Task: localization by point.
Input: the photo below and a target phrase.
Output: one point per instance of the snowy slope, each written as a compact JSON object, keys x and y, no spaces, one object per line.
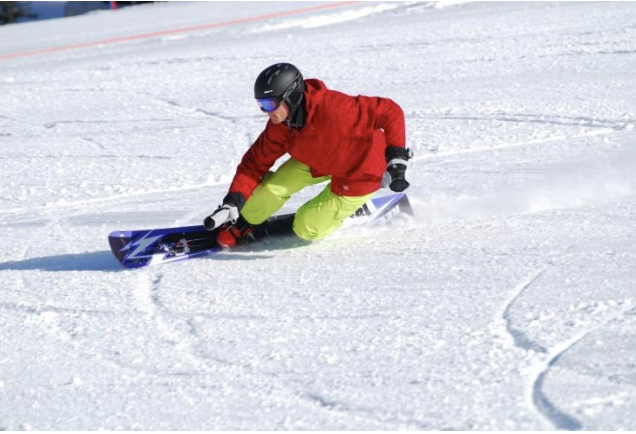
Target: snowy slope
{"x":507,"y":303}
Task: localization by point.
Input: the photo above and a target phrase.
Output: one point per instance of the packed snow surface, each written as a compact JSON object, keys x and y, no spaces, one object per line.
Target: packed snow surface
{"x":508,"y":302}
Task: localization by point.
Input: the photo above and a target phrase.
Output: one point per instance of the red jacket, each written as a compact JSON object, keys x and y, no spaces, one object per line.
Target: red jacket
{"x":344,"y":136}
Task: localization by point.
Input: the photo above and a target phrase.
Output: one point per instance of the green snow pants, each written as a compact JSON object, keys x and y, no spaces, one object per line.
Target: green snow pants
{"x":315,"y":219}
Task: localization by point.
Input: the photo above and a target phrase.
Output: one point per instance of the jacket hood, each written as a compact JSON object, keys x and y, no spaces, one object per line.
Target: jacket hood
{"x":314,"y":91}
{"x":314,"y":86}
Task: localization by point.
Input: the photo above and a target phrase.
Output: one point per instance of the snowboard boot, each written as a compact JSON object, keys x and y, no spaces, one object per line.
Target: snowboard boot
{"x":240,"y":232}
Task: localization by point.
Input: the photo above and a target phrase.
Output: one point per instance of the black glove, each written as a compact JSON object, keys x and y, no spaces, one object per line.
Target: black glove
{"x":228,"y":212}
{"x":396,"y":159}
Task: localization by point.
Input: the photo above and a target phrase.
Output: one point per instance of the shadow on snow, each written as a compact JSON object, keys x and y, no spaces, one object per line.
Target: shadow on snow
{"x":94,"y":261}
{"x":104,"y":260}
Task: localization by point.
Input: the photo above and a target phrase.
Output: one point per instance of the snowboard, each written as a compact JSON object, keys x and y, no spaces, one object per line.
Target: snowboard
{"x":141,"y":248}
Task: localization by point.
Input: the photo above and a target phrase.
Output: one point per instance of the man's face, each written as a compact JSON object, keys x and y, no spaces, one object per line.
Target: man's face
{"x":280,"y":114}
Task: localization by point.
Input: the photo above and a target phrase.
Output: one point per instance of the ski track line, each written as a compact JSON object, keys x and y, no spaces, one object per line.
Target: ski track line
{"x":600,"y":127}
{"x":573,"y":121}
{"x":149,"y":302}
{"x":521,"y":339}
{"x":180,"y":108}
{"x":47,"y":308}
{"x":234,"y":120}
{"x":540,"y":401}
{"x":600,"y":132}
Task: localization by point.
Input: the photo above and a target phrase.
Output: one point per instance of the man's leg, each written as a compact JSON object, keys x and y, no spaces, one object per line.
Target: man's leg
{"x":276,"y":188}
{"x":325,"y":213}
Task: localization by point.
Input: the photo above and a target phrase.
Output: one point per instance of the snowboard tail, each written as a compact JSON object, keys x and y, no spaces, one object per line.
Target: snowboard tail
{"x":140,"y":248}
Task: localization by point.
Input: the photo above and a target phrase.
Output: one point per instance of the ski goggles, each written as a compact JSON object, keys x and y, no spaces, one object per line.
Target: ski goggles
{"x":268,"y":105}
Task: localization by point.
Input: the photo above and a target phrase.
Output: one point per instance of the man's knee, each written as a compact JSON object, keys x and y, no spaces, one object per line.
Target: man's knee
{"x":310,"y":226}
{"x":310,"y":232}
{"x":324,"y":214}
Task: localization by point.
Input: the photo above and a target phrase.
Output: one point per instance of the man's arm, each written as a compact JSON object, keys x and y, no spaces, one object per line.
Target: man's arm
{"x":258,"y":159}
{"x":388,"y":116}
{"x":385,"y":114}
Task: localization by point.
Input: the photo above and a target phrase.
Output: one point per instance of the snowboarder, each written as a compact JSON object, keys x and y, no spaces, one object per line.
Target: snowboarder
{"x":357,"y":143}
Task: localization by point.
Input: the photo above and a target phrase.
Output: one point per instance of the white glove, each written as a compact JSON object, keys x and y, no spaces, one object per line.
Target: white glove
{"x":223,"y":214}
{"x":228,"y":212}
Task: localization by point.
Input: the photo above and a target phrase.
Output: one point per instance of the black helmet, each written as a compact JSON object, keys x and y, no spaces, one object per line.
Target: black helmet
{"x":280,"y":82}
